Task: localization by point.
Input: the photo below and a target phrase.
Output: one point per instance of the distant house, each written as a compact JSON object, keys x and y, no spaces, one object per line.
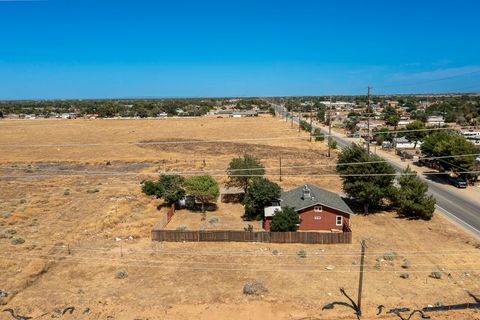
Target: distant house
{"x":436,"y":121}
{"x":403,"y":143}
{"x":318,"y":209}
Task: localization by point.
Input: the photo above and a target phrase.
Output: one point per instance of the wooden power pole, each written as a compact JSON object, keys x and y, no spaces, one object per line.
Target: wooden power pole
{"x":311,"y":121}
{"x":329,"y":127}
{"x":368,"y":120}
{"x":360,"y":280}
{"x":299,"y":119}
{"x":280,"y":169}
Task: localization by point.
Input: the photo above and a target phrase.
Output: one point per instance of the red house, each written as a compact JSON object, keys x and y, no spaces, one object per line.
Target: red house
{"x":318,"y":209}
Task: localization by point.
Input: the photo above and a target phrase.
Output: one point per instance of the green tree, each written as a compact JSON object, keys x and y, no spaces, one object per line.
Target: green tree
{"x":168,"y":187}
{"x":285,"y":220}
{"x":241,"y":170}
{"x":203,"y":188}
{"x":453,"y":147}
{"x":318,"y":134}
{"x":321,"y":109}
{"x":412,"y":197}
{"x":391,"y":116}
{"x":369,"y":183}
{"x":261,"y":193}
{"x":418,"y":134}
{"x":172,"y":187}
{"x":150,"y":188}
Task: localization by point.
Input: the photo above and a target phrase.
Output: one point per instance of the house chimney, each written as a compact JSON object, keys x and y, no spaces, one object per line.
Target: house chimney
{"x":306,"y":192}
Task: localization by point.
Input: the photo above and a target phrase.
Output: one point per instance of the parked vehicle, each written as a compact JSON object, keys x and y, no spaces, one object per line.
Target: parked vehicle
{"x":459,"y":183}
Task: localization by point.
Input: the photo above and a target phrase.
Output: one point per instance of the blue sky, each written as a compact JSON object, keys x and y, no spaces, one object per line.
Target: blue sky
{"x":101,"y":49}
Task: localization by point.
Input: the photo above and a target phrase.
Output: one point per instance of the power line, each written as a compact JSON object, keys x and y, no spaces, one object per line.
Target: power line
{"x":198,"y":141}
{"x":318,"y":254}
{"x":101,"y":173}
{"x":181,"y":265}
{"x":428,"y":81}
{"x":242,"y":175}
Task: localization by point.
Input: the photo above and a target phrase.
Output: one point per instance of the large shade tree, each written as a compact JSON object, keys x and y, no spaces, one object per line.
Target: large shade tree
{"x":242,"y":169}
{"x":203,"y":188}
{"x":366,"y":178}
{"x":412,"y":198}
{"x":261,"y":193}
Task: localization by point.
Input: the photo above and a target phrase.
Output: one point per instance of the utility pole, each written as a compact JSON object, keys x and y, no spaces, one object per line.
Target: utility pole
{"x":311,"y":121}
{"x":329,"y":127}
{"x":280,"y":169}
{"x":299,"y":119}
{"x":368,"y":120}
{"x":360,"y":280}
{"x":291,"y":121}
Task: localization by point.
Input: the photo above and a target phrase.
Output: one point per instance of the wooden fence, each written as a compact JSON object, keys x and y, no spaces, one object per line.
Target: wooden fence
{"x":165,"y":219}
{"x":251,"y":236}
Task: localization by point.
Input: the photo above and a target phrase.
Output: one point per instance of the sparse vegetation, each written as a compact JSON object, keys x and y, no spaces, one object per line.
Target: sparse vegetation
{"x":436,"y":275}
{"x":93,"y":190}
{"x":390,"y":256}
{"x":302,"y":254}
{"x":17,"y":241}
{"x":213,"y":220}
{"x":254,"y":287}
{"x":121,"y":274}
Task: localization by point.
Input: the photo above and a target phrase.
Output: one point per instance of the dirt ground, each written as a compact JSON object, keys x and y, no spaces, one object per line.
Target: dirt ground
{"x":86,"y":231}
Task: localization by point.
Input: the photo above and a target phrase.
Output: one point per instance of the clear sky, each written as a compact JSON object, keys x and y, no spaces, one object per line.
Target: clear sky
{"x":175,"y":48}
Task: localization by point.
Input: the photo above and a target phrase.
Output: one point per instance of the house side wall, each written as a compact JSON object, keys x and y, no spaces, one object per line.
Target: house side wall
{"x":327,"y":220}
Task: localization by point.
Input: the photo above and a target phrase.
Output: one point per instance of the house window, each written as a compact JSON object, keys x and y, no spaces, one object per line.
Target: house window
{"x":318,"y":209}
{"x":339,"y":221}
{"x":317,"y":218}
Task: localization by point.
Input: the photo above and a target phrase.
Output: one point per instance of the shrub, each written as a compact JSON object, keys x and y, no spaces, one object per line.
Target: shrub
{"x":390,"y":256}
{"x":275,"y":252}
{"x":333,"y":144}
{"x":406,"y":264}
{"x":182,"y":228}
{"x":11,"y":231}
{"x":18,"y":241}
{"x":436,"y":275}
{"x":213,"y":220}
{"x":254,"y":287}
{"x":405,"y":275}
{"x":121,"y":274}
{"x":319,"y":135}
{"x":285,"y":220}
{"x":302,"y":254}
{"x":93,"y":190}
{"x":248,"y":228}
{"x":66,"y":192}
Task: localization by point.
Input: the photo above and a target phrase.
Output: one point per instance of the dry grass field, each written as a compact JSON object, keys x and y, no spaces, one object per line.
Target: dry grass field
{"x":86,"y":230}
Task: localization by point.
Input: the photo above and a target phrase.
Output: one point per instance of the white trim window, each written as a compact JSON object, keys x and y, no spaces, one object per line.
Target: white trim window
{"x":318,"y":208}
{"x":339,"y":221}
{"x":317,"y":218}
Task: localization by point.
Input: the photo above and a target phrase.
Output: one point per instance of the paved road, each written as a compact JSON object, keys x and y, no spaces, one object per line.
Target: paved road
{"x":458,"y":208}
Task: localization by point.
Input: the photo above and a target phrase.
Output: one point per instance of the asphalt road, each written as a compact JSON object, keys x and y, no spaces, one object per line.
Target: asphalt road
{"x":458,"y":208}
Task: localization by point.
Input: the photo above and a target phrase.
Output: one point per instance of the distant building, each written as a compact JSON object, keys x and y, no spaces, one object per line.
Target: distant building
{"x":436,"y":121}
{"x":403,"y":143}
{"x":472,"y":136}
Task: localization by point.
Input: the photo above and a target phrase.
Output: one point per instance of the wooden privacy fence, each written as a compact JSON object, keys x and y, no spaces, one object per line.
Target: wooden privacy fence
{"x":251,"y":236}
